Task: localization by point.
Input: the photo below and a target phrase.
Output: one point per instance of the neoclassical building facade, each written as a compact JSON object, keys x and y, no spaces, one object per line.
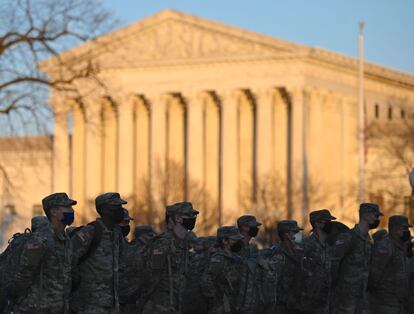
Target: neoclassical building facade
{"x":231,"y":120}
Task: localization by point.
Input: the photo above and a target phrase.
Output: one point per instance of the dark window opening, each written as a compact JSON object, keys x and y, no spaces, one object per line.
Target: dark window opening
{"x":402,"y":114}
{"x":377,"y":112}
{"x":390,"y":113}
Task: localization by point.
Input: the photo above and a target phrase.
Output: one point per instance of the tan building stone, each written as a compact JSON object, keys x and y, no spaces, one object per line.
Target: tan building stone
{"x":231,"y":120}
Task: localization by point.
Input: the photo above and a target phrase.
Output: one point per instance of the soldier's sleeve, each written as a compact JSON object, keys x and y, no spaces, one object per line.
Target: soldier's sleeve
{"x":340,"y":248}
{"x":381,"y":255}
{"x":30,"y":262}
{"x":131,"y":272}
{"x":209,"y":278}
{"x":81,"y":242}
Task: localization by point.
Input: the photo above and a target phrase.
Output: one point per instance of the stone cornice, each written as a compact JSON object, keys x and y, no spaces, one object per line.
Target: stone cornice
{"x":256,"y":47}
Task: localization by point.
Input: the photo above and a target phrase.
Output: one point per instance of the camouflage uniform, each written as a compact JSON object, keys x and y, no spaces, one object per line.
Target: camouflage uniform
{"x":97,"y":292}
{"x":46,"y":263}
{"x":220,"y":282}
{"x":248,"y":248}
{"x":142,"y":233}
{"x":320,"y":255}
{"x":350,"y":267}
{"x":389,"y":281}
{"x":166,"y":266}
{"x":287,"y":266}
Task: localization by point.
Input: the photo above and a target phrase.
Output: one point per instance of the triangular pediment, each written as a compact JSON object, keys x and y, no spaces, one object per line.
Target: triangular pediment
{"x":174,"y":39}
{"x":170,"y":36}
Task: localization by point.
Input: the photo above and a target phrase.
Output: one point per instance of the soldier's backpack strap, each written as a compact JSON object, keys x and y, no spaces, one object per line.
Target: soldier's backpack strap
{"x":96,"y":240}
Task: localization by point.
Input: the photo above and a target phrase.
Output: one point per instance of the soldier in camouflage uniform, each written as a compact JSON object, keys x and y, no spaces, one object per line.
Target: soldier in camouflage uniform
{"x":286,"y":259}
{"x":125,"y":224}
{"x":142,"y":234}
{"x":166,"y":258}
{"x":220,"y":282}
{"x":97,"y":250}
{"x":351,"y":262}
{"x":318,"y":250}
{"x":45,"y":263}
{"x":249,"y":228}
{"x":194,"y":300}
{"x":389,"y":280}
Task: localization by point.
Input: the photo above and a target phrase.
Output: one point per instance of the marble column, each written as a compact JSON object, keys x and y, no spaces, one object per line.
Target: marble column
{"x":195,"y":157}
{"x":110,"y":151}
{"x":94,"y":145}
{"x":125,"y":147}
{"x":229,"y":157}
{"x":298,"y":162}
{"x":61,"y":166}
{"x":78,"y":157}
{"x":158,"y":153}
{"x":265,"y":141}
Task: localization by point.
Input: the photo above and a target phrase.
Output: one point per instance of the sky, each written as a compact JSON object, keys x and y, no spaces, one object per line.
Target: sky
{"x":328,"y":24}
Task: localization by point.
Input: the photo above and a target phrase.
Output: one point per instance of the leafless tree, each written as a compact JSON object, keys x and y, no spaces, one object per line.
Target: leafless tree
{"x":36,"y":30}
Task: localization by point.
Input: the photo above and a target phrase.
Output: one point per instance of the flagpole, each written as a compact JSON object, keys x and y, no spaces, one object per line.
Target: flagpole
{"x":361,"y":116}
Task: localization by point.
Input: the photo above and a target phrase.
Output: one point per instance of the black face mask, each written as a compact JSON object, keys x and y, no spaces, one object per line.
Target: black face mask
{"x":375,"y":224}
{"x":253,"y":231}
{"x":125,"y":230}
{"x":236,"y":247}
{"x":406,"y":236}
{"x":327,"y":228}
{"x":189,"y":223}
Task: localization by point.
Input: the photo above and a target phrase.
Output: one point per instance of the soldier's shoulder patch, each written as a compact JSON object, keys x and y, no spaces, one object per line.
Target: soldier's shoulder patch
{"x":82,"y":236}
{"x":158,"y":251}
{"x":216,"y":258}
{"x":339,"y":242}
{"x":33,"y":246}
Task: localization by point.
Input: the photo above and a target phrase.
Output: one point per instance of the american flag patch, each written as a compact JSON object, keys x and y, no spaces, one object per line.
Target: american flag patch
{"x":215,"y":260}
{"x":32,"y":246}
{"x":338,"y":242}
{"x":81,"y":235}
{"x":157,"y":252}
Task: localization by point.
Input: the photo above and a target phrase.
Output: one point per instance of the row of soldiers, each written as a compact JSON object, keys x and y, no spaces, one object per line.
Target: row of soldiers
{"x":94,"y":269}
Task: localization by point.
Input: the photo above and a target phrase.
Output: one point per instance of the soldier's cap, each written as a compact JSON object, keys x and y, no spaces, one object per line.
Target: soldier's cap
{"x":370,"y":208}
{"x":229,"y":232}
{"x":182,"y":208}
{"x":143,"y":229}
{"x":110,"y":198}
{"x":126,"y":215}
{"x":288,"y":225}
{"x":323,"y":214}
{"x":399,"y":221}
{"x":249,"y":220}
{"x":57,"y":200}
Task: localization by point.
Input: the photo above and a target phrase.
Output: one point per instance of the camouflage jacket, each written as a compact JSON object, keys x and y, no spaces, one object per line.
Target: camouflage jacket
{"x":350,"y":263}
{"x":221,"y":280}
{"x":389,"y":280}
{"x":166,"y":262}
{"x":46,"y":262}
{"x":287,"y":266}
{"x":98,"y":273}
{"x":318,"y":259}
{"x":248,"y":249}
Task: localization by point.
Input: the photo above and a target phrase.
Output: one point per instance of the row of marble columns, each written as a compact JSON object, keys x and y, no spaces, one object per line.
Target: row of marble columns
{"x":219,"y":149}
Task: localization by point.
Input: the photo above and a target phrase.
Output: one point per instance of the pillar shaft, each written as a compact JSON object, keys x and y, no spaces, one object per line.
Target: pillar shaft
{"x":61,"y":166}
{"x":229,"y":160}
